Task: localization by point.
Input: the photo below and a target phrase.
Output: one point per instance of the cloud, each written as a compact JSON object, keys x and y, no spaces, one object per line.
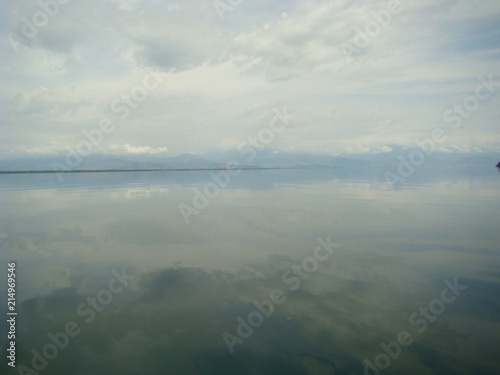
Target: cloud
{"x":264,"y":54}
{"x":42,"y":101}
{"x":130,"y":149}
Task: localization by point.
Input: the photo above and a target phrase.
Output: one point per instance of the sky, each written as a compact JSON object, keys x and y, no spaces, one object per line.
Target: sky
{"x":171,"y":77}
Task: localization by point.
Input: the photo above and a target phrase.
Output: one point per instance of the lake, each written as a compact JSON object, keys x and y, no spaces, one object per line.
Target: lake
{"x":280,"y":272}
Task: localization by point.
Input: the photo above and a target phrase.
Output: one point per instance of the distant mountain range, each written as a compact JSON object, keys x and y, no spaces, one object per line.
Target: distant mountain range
{"x":107,"y":162}
{"x":259,"y":159}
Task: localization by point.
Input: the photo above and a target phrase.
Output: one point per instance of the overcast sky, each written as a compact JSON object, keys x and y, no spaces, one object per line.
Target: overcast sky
{"x":220,"y":71}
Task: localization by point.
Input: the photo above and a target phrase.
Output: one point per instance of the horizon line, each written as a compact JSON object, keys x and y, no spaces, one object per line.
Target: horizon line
{"x":156,"y":170}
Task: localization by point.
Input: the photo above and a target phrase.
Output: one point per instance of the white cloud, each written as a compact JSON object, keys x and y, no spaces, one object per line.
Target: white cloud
{"x":65,"y":78}
{"x":130,"y":149}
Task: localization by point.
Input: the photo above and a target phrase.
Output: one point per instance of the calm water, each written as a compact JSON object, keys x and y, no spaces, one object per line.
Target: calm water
{"x":111,"y":279}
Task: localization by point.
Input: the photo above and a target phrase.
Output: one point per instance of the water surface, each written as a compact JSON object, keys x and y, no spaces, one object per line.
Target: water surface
{"x":193,"y":284}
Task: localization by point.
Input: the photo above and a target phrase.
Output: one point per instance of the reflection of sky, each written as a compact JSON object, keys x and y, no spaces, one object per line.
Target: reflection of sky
{"x":193,"y":281}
